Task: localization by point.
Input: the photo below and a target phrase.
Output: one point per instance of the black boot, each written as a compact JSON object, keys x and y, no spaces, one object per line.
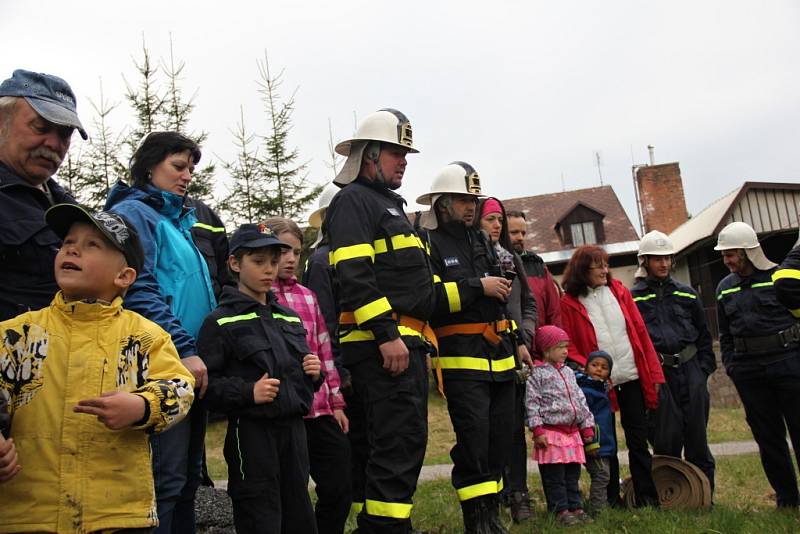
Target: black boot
{"x":520,"y":506}
{"x":474,"y":522}
{"x":491,"y":507}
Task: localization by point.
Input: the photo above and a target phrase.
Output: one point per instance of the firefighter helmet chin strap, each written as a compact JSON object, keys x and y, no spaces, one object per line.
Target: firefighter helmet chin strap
{"x":372,"y":152}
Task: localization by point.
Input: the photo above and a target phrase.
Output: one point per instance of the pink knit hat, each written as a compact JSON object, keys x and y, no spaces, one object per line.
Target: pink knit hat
{"x":548,"y":337}
{"x":491,"y":205}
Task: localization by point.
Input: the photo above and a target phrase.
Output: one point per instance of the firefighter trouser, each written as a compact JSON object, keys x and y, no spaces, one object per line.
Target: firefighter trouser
{"x":329,"y":458}
{"x":515,"y":475}
{"x":388,"y":433}
{"x":771,"y":398}
{"x":268,"y":475}
{"x":682,"y":417}
{"x":482,"y":414}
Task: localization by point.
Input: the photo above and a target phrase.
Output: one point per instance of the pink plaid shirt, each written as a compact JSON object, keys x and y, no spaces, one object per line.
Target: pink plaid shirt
{"x":304,"y":302}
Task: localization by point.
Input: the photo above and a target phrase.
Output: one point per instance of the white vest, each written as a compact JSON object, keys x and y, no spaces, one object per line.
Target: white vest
{"x":611,"y":332}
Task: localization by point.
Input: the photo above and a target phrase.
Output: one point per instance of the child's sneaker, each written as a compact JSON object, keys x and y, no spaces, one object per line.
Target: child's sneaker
{"x":566,"y":518}
{"x":581,"y":515}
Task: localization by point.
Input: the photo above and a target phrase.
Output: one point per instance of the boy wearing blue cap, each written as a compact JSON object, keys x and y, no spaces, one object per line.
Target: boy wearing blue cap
{"x":261,"y":375}
{"x":593,"y":381}
{"x":86,"y":355}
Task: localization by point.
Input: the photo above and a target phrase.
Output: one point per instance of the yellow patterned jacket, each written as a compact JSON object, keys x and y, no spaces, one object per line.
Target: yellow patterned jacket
{"x":77,"y":475}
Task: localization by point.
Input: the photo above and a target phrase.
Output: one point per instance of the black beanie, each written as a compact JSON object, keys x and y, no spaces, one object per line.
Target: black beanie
{"x":601,"y":354}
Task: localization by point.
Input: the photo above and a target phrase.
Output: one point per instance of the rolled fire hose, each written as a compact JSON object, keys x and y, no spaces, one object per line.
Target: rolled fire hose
{"x":680,"y":485}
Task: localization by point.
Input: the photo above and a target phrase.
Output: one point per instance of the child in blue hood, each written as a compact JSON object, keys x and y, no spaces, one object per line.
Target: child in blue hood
{"x":593,"y":381}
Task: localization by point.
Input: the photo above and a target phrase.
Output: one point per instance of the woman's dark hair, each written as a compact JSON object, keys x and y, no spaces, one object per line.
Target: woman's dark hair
{"x":154,"y":149}
{"x":576,"y":275}
{"x":505,"y":239}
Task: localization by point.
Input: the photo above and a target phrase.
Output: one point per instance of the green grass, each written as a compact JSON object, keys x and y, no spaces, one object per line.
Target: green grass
{"x":743,"y":505}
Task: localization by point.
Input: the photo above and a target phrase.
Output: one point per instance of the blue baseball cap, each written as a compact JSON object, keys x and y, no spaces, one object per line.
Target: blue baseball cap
{"x":50,"y":96}
{"x":255,"y":236}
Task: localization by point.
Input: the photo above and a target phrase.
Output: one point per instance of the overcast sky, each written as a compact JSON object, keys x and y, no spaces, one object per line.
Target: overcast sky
{"x":525,"y":91}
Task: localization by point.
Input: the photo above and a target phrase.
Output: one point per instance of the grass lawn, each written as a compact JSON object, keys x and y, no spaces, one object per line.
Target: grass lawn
{"x":743,"y":505}
{"x":725,"y":424}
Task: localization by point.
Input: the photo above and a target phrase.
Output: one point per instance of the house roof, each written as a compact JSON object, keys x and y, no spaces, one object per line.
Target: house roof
{"x":766,"y":206}
{"x":543,"y":212}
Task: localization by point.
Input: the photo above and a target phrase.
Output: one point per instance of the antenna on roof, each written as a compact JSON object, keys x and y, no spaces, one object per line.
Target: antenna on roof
{"x":563,"y":184}
{"x":597,"y":159}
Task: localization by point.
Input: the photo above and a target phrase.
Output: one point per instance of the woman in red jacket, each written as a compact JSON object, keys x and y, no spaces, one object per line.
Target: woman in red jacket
{"x":598,"y":313}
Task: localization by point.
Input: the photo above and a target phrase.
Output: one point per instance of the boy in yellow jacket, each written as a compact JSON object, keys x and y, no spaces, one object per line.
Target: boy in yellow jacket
{"x":84,"y":382}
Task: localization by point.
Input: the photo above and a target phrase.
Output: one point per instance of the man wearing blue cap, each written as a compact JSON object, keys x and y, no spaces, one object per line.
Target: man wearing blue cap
{"x":37,"y":118}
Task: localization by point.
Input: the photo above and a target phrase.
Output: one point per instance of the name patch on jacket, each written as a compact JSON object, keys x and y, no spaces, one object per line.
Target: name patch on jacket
{"x":393,"y":211}
{"x":451,"y":262}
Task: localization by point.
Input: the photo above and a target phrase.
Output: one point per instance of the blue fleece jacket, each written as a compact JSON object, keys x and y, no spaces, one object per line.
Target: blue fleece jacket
{"x":173,"y":288}
{"x":600,"y":406}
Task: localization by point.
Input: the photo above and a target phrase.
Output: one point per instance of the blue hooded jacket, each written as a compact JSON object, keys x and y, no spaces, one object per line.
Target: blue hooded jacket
{"x":600,"y":406}
{"x":173,"y":288}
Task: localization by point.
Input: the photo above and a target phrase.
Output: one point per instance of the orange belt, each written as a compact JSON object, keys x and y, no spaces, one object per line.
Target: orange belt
{"x":424,"y":329}
{"x":487,"y":330}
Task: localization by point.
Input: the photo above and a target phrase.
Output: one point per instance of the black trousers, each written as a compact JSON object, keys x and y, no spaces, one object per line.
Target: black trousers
{"x":329,"y":459}
{"x":682,"y":417}
{"x":388,"y":433}
{"x":560,"y":484}
{"x":633,"y":414}
{"x":515,"y":475}
{"x":482,"y":414}
{"x":771,"y":398}
{"x":268,"y":476}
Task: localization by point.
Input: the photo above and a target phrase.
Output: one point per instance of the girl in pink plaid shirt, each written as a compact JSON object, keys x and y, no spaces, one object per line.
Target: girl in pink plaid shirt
{"x":326,"y":423}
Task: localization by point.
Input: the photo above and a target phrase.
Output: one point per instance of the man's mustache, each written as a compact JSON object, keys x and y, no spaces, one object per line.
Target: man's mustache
{"x":47,"y":153}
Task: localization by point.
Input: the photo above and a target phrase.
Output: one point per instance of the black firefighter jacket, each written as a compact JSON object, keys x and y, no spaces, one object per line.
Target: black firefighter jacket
{"x":460,"y":257}
{"x":243,"y":339}
{"x":787,"y":282}
{"x":674,"y":316}
{"x":381,"y":266}
{"x":212,"y":242}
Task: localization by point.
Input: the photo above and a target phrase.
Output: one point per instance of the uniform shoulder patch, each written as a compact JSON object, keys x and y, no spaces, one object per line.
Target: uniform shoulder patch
{"x":393,"y":211}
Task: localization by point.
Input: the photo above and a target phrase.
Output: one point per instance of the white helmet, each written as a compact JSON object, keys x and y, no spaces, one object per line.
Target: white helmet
{"x":656,"y":243}
{"x":384,"y":126}
{"x":653,"y":243}
{"x":315,"y":219}
{"x":741,"y":235}
{"x":458,"y":177}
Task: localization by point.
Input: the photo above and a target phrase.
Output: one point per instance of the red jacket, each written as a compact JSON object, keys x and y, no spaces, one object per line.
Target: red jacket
{"x":583,"y":340}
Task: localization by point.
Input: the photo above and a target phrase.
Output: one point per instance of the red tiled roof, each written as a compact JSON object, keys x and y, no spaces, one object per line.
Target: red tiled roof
{"x":544,"y":211}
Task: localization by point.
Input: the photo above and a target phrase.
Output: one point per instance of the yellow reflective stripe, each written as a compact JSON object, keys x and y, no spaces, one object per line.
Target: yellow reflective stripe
{"x":453,"y":298}
{"x":479,"y":490}
{"x":380,"y":246}
{"x":727,"y":291}
{"x":785,"y":273}
{"x":762,"y":284}
{"x":472,"y":363}
{"x":287,"y":318}
{"x":372,"y":310}
{"x":367,"y":335}
{"x":644,"y":297}
{"x":436,"y":279}
{"x":395,"y":510}
{"x":795,"y":313}
{"x":356,"y":507}
{"x":398,"y":242}
{"x":682,"y":294}
{"x":363,"y":250}
{"x":215,"y":229}
{"x":235,"y":318}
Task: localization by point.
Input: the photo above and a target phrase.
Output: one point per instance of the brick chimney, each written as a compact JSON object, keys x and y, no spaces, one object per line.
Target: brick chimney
{"x":661,"y":197}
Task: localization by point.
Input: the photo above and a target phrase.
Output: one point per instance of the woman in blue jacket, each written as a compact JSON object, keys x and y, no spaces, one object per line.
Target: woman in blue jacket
{"x":175,"y":291}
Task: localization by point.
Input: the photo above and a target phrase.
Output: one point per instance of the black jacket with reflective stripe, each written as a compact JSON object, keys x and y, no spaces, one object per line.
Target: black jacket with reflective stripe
{"x":675,"y":318}
{"x":460,"y":257}
{"x":243,"y":339}
{"x":212,"y":242}
{"x":787,"y":282}
{"x":28,"y":246}
{"x":379,"y":261}
{"x":749,"y":307}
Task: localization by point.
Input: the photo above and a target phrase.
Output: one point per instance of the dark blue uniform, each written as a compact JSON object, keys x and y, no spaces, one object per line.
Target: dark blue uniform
{"x":761,"y":355}
{"x":676,"y":322}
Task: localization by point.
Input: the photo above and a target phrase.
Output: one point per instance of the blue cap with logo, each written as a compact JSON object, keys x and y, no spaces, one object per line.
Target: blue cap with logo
{"x":50,"y":96}
{"x":255,"y":236}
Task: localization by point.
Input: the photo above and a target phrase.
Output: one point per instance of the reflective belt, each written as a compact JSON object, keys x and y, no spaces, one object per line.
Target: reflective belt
{"x":474,"y":363}
{"x":487,"y":330}
{"x":395,"y":510}
{"x":479,"y":490}
{"x":407,"y":326}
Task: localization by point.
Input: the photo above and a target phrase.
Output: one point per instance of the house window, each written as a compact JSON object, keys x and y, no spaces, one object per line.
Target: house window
{"x":583,"y":234}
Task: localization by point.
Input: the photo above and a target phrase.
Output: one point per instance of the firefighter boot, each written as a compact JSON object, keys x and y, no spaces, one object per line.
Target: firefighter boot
{"x":491,"y":509}
{"x":520,"y":506}
{"x":474,"y":517}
